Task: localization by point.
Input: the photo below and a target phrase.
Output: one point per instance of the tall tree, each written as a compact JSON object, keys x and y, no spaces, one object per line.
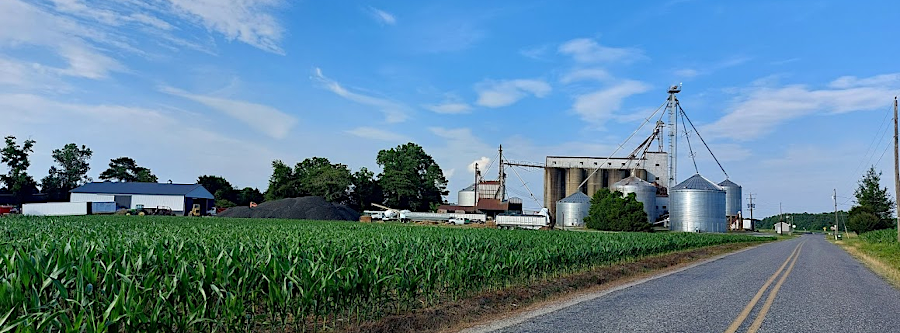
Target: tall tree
{"x":874,"y":205}
{"x":224,"y":192}
{"x":248,"y":195}
{"x":17,"y":179}
{"x":283,"y":183}
{"x":125,"y":169}
{"x":71,"y":173}
{"x":410,"y":178}
{"x":319,"y":177}
{"x":612,"y":211}
{"x":366,"y":190}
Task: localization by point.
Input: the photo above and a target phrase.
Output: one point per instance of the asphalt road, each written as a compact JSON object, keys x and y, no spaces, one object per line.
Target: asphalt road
{"x":801,"y":285}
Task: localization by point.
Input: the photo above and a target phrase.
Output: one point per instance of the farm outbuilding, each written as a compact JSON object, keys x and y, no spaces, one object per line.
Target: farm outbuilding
{"x":129,"y":195}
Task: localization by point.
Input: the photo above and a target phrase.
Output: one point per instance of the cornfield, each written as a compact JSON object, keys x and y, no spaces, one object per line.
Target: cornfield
{"x":119,"y":273}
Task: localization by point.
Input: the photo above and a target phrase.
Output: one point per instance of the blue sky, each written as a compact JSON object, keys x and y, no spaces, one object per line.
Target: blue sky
{"x":792,"y":95}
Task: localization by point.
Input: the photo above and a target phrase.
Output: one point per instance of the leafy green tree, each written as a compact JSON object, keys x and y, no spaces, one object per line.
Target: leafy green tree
{"x":410,"y":178}
{"x":319,"y":177}
{"x":366,"y":190}
{"x":804,"y":221}
{"x":72,"y":171}
{"x":874,"y":205}
{"x":220,"y":188}
{"x":248,"y":195}
{"x":611,"y":211}
{"x":17,"y":180}
{"x":125,"y":169}
{"x":283,"y":183}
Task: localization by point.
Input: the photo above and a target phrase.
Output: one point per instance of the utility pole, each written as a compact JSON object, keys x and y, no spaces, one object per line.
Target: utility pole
{"x":835,"y":215}
{"x":502,"y":177}
{"x":751,"y":206}
{"x":896,"y":169}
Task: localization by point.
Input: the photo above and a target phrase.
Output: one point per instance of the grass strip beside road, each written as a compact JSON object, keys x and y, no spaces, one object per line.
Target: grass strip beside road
{"x":878,"y":250}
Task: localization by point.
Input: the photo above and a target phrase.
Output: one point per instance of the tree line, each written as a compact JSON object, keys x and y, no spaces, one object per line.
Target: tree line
{"x":410,"y":178}
{"x":804,"y":221}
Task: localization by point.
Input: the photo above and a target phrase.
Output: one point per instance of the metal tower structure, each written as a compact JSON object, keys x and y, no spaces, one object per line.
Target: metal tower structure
{"x":672,"y":106}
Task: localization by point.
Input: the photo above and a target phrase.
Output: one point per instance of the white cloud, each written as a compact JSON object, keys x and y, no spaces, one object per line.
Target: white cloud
{"x":686,"y":73}
{"x":586,"y":74}
{"x":449,"y":107}
{"x":585,"y":50}
{"x":760,"y":109}
{"x":263,"y":118}
{"x":599,"y":106}
{"x":536,"y":53}
{"x":378,"y":134}
{"x":185,"y":140}
{"x":382,"y":17}
{"x":249,"y":21}
{"x":845,"y":82}
{"x":482,"y":163}
{"x":495,"y":94}
{"x":394,"y":112}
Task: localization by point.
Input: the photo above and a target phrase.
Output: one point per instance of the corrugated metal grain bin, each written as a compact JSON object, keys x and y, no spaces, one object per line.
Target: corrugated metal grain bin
{"x":643,"y":191}
{"x":732,"y":197}
{"x":103,"y":208}
{"x":55,"y":209}
{"x":570,"y":212}
{"x":698,"y":205}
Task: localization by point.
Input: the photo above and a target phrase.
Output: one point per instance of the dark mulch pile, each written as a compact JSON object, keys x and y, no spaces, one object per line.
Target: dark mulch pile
{"x":305,"y":208}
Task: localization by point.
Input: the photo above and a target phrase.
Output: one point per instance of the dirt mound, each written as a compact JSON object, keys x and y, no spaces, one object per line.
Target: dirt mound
{"x":305,"y":208}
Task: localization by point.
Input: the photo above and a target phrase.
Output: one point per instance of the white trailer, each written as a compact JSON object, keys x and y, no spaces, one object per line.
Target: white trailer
{"x":442,"y":217}
{"x":55,"y":209}
{"x":524,"y":221}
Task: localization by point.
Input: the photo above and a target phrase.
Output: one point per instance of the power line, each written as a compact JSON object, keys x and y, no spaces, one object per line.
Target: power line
{"x":872,"y":147}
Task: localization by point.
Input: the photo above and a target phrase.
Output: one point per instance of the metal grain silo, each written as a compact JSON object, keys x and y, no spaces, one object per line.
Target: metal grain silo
{"x":467,"y":196}
{"x":697,"y":205}
{"x":570,"y":211}
{"x":732,"y":197}
{"x":643,"y":191}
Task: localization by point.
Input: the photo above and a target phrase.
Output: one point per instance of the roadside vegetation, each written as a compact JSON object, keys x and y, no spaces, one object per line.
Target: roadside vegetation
{"x":113,"y":273}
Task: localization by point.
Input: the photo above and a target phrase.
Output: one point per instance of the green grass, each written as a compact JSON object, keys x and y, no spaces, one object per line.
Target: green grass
{"x":130,"y":273}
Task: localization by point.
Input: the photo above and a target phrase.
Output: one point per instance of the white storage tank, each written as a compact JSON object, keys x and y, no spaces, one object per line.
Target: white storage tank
{"x":732,"y":197}
{"x":643,"y":191}
{"x":467,"y":196}
{"x":697,"y":205}
{"x":570,"y":211}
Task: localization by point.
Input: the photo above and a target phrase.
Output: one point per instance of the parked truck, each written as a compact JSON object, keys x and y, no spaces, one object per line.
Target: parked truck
{"x":541,"y":220}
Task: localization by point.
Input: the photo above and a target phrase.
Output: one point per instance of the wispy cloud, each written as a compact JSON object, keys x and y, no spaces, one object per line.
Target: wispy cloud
{"x":373,"y":133}
{"x":585,"y":74}
{"x":381,"y":16}
{"x":760,"y":109}
{"x":585,"y":50}
{"x":687,"y":73}
{"x":536,"y":52}
{"x":263,"y":118}
{"x":599,"y":106}
{"x":495,"y":94}
{"x":249,"y":21}
{"x":394,"y":112}
{"x":449,"y":107}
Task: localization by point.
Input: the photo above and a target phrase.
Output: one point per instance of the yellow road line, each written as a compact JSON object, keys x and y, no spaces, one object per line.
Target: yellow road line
{"x":747,"y":309}
{"x":765,"y":309}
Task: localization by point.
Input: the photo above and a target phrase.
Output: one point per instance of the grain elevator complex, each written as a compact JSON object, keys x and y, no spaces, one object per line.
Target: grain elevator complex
{"x":695,"y":204}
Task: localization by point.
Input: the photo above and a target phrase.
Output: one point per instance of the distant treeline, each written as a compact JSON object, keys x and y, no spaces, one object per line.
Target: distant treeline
{"x":804,"y":221}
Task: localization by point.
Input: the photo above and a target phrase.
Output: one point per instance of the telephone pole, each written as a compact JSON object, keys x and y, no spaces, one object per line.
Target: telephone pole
{"x":835,"y":215}
{"x":751,"y":206}
{"x":896,"y":169}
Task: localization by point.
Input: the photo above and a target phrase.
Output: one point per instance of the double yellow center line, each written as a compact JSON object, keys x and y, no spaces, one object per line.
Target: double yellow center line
{"x":768,"y":304}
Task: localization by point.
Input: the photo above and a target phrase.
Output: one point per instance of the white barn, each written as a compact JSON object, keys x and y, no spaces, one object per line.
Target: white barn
{"x":179,"y":197}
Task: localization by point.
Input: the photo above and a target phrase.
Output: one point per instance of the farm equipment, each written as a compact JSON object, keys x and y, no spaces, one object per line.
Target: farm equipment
{"x":159,"y":210}
{"x":195,"y":211}
{"x":391,"y":214}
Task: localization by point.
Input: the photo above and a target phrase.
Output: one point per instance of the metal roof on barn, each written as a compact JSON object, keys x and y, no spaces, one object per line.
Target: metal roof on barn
{"x":186,"y":190}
